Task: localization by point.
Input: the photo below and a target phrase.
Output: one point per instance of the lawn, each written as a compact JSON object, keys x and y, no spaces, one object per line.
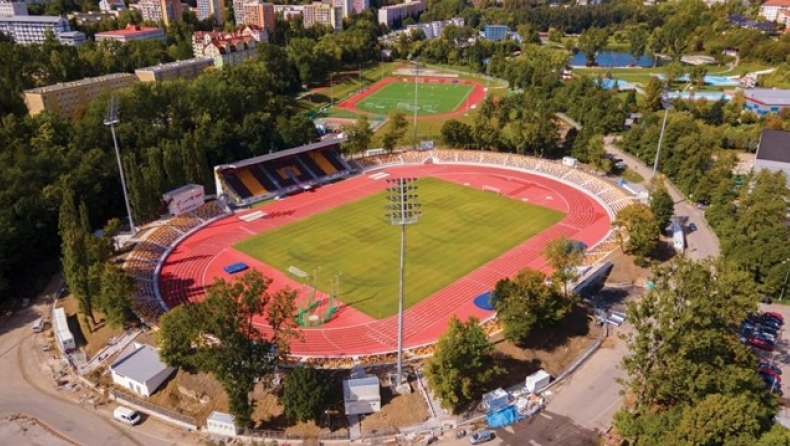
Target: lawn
{"x":460,"y":229}
{"x":432,"y":98}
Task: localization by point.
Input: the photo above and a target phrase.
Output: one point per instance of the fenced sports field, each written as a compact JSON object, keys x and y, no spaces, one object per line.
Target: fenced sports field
{"x":432,"y":98}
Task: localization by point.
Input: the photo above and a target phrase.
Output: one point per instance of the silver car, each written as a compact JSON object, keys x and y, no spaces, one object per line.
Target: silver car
{"x":481,"y":436}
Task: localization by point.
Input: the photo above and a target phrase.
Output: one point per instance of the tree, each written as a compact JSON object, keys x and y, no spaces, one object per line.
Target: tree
{"x":591,"y":41}
{"x":638,"y":225}
{"x":637,"y":37}
{"x":240,"y":354}
{"x":75,"y":255}
{"x":395,"y":131}
{"x":114,"y":298}
{"x":462,"y":364}
{"x":527,"y":302}
{"x":654,"y":94}
{"x":661,"y":203}
{"x":358,"y":136}
{"x":306,"y":393}
{"x":596,"y":154}
{"x":689,"y":378}
{"x":457,"y":134}
{"x":563,"y":255}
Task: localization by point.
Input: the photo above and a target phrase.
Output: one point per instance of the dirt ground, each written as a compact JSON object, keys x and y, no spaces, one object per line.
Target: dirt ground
{"x":397,"y":411}
{"x":91,"y":342}
{"x":551,"y":349}
{"x":29,"y":431}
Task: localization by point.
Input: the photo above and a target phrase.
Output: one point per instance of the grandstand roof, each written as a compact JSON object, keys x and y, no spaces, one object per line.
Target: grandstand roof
{"x":283,"y":153}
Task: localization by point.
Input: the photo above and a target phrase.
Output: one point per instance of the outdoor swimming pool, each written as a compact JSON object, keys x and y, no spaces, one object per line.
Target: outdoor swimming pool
{"x":612,"y":59}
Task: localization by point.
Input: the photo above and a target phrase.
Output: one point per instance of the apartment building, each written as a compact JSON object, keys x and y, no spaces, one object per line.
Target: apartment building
{"x":161,"y":10}
{"x":131,"y":33}
{"x":321,"y":13}
{"x":183,"y":69}
{"x":360,"y":5}
{"x":211,"y":8}
{"x":346,"y":7}
{"x":260,"y":14}
{"x":771,"y":9}
{"x":238,"y":10}
{"x":495,"y":33}
{"x":12,"y":8}
{"x":394,"y":14}
{"x":64,"y":99}
{"x":24,"y":29}
{"x":290,"y":12}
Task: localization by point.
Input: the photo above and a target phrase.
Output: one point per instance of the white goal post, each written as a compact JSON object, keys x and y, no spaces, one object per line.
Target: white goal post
{"x":493,"y":189}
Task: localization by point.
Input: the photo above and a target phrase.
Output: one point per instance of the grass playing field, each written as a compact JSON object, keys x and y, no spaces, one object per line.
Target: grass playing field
{"x":460,"y":229}
{"x":432,"y":98}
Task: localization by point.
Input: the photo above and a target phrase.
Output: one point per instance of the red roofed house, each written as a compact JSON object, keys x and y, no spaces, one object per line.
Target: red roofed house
{"x":770,"y":9}
{"x":228,"y":48}
{"x":132,"y":32}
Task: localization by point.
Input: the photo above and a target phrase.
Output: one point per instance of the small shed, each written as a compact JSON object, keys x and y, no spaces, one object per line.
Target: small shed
{"x":362,"y":395}
{"x":221,"y":423}
{"x":495,"y":400}
{"x":570,"y":161}
{"x":538,"y":381}
{"x":141,"y":370}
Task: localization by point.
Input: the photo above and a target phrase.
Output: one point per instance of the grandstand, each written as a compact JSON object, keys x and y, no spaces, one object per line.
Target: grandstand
{"x":282,"y":173}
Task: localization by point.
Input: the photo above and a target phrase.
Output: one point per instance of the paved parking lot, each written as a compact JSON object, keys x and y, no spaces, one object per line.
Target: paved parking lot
{"x":544,"y":429}
{"x":781,"y":355}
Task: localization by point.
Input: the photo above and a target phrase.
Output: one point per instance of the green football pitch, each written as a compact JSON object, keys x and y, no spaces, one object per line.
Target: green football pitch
{"x":460,"y":229}
{"x":432,"y":98}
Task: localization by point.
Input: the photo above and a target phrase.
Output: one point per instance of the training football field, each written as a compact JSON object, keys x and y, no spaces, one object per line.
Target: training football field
{"x":432,"y":98}
{"x":460,"y":229}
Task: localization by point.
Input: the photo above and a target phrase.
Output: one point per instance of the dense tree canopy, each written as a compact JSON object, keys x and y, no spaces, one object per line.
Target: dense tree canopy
{"x":306,"y":393}
{"x":218,"y":336}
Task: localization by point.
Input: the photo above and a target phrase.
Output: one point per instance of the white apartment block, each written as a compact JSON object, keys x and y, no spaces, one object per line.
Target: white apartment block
{"x":112,"y":5}
{"x":770,"y":9}
{"x":324,"y":14}
{"x":388,"y":15}
{"x":32,"y":29}
{"x":211,"y":8}
{"x":12,"y":8}
{"x":289,"y":12}
{"x":238,"y":11}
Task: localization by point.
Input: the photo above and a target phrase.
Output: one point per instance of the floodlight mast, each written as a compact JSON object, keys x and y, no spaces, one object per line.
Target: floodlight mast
{"x":404,"y":210}
{"x":111,"y":120}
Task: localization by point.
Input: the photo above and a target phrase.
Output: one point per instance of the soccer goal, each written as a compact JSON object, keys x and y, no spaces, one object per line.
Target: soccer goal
{"x":493,"y":189}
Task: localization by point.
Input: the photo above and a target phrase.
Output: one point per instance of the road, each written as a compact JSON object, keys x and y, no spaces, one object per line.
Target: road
{"x":702,"y":243}
{"x":26,"y":388}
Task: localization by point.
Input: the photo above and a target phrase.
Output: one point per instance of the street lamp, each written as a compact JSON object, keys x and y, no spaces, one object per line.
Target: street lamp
{"x":416,"y":84}
{"x":787,"y":275}
{"x":667,"y":105}
{"x":403,"y":210}
{"x":111,"y":120}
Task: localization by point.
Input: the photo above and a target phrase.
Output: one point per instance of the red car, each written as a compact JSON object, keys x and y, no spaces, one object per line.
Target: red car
{"x":770,"y":372}
{"x":762,"y":344}
{"x":775,"y":315}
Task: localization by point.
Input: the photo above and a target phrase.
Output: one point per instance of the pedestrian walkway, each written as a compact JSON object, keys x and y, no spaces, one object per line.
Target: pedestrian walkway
{"x":354,"y":427}
{"x":112,"y":347}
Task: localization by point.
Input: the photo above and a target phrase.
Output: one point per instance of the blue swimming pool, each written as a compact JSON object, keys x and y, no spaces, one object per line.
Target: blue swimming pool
{"x":707,"y":95}
{"x":612,"y":59}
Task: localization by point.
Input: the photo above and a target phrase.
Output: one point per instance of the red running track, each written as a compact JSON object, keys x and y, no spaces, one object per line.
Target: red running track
{"x":200,"y":258}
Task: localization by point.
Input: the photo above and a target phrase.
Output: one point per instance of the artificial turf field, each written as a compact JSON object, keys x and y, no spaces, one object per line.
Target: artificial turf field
{"x":432,"y":98}
{"x":460,"y":229}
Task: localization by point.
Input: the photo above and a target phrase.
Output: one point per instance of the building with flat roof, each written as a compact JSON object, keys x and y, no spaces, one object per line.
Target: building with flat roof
{"x":361,"y":395}
{"x":324,"y":14}
{"x":63,"y":335}
{"x":131,"y":33}
{"x":161,"y":10}
{"x":211,"y":8}
{"x":771,"y":9}
{"x":773,"y":152}
{"x":27,"y":29}
{"x":394,"y":14}
{"x":183,"y":69}
{"x":12,"y":8}
{"x":228,"y":48}
{"x":290,"y":12}
{"x":259,"y":14}
{"x":140,"y":370}
{"x":64,"y":99}
{"x":763,"y":101}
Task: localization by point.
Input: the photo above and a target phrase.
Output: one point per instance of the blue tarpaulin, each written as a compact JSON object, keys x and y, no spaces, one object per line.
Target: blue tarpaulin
{"x":504,"y":417}
{"x":236,"y":268}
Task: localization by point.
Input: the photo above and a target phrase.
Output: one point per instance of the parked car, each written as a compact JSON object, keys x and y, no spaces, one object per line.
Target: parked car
{"x":770,"y":372}
{"x":772,"y":382}
{"x":126,"y":416}
{"x":774,"y":315}
{"x":767,"y":336}
{"x":481,"y":436}
{"x":769,"y":366}
{"x":762,"y":344}
{"x":692,"y":227}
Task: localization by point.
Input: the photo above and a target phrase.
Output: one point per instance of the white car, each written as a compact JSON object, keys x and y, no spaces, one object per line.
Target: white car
{"x":481,"y":436}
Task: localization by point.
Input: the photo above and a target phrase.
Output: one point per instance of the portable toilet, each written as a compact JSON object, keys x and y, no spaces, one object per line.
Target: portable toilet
{"x":538,"y":381}
{"x":495,"y":400}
